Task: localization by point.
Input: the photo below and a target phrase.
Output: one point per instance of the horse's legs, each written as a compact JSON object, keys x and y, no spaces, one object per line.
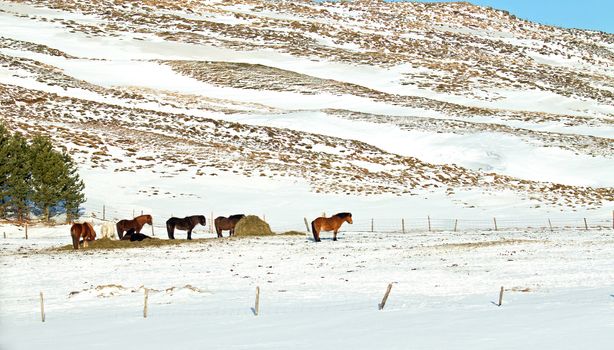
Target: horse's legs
{"x":218,"y":231}
{"x":232,"y":232}
{"x":170,"y":229}
{"x":75,"y":241}
{"x":335,"y":235}
{"x":190,"y":234}
{"x":316,"y":235}
{"x":85,"y":245}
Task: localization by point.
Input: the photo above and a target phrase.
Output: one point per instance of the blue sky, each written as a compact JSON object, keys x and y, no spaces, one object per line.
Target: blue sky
{"x":583,"y":14}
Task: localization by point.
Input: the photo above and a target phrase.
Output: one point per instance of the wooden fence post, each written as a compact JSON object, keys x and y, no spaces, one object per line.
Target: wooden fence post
{"x":152,"y":230}
{"x":383,"y":303}
{"x":26,"y":230}
{"x":585,"y":224}
{"x":495,"y":221}
{"x":429,"y":220}
{"x":550,"y":224}
{"x":42,"y":307}
{"x":307,"y":225}
{"x":145,"y":303}
{"x":371,"y":225}
{"x":455,"y":224}
{"x":4,"y":233}
{"x":501,"y":296}
{"x":141,"y":211}
{"x":133,"y":213}
{"x":104,"y":212}
{"x":211,"y":223}
{"x":257,"y":303}
{"x":403,"y":225}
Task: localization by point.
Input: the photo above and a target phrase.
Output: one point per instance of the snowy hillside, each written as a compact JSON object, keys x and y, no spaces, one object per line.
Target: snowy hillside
{"x":176,"y":106}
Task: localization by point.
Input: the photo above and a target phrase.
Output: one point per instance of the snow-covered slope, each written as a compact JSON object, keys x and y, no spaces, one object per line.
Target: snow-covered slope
{"x":174,"y":106}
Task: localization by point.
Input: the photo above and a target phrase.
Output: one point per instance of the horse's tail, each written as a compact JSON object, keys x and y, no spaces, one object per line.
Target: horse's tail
{"x":75,"y":237}
{"x":170,"y":229}
{"x":120,"y":230}
{"x":218,"y":229}
{"x":316,"y":234}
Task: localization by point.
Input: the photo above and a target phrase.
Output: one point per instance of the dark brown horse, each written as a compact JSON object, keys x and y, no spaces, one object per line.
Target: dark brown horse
{"x":329,"y":224}
{"x":227,"y":223}
{"x":85,"y":231}
{"x":132,"y":236}
{"x":136,"y":223}
{"x":185,"y":224}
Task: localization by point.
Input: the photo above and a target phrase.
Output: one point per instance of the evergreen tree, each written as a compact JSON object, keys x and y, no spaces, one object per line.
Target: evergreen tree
{"x":18,"y":182}
{"x":5,"y":139}
{"x":48,"y":175}
{"x":72,"y":189}
{"x":37,"y":176}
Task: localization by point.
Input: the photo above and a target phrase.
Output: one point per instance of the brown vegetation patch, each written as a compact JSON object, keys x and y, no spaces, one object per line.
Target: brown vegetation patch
{"x":485,"y":244}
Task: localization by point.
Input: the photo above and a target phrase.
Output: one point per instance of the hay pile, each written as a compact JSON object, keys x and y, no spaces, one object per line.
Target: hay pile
{"x":251,"y":225}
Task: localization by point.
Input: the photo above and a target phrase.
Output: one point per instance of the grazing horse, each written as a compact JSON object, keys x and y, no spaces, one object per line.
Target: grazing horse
{"x":136,"y":223}
{"x":227,"y":223}
{"x":132,"y":236}
{"x":85,"y":231}
{"x":329,"y":224}
{"x":185,"y":224}
{"x":107,"y":230}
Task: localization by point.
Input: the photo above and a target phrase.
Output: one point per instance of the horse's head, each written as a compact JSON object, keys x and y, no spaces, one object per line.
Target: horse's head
{"x":202,"y":220}
{"x":91,"y":233}
{"x":349,"y":218}
{"x":149,"y":219}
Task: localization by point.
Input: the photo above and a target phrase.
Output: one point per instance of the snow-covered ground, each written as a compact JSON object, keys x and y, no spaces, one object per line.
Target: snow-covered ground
{"x":559,"y":292}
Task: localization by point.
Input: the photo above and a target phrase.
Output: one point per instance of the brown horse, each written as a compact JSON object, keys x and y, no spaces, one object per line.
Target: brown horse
{"x":329,"y":224}
{"x":227,"y":223}
{"x":137,"y":224}
{"x":85,"y":231}
{"x":185,"y":224}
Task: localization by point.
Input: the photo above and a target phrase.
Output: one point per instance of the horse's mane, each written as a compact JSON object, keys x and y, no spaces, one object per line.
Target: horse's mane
{"x":343,"y":215}
{"x":236,"y":216}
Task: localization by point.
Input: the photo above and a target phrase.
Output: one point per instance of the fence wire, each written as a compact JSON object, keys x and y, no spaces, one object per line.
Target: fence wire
{"x":400,"y":225}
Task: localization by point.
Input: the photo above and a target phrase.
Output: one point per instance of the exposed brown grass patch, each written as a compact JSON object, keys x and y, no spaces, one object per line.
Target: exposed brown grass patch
{"x":106,"y":243}
{"x":474,"y":245}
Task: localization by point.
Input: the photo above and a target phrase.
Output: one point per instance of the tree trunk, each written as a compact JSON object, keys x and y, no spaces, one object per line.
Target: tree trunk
{"x":69,"y":215}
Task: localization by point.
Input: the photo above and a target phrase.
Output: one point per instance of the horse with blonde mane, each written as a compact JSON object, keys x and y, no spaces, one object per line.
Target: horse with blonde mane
{"x":85,"y":231}
{"x":329,"y":224}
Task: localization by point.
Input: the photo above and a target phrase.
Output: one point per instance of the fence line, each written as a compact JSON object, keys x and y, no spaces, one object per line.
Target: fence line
{"x":404,"y":224}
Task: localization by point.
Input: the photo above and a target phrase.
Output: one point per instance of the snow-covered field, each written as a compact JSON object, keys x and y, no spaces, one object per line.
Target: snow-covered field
{"x":559,"y":292}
